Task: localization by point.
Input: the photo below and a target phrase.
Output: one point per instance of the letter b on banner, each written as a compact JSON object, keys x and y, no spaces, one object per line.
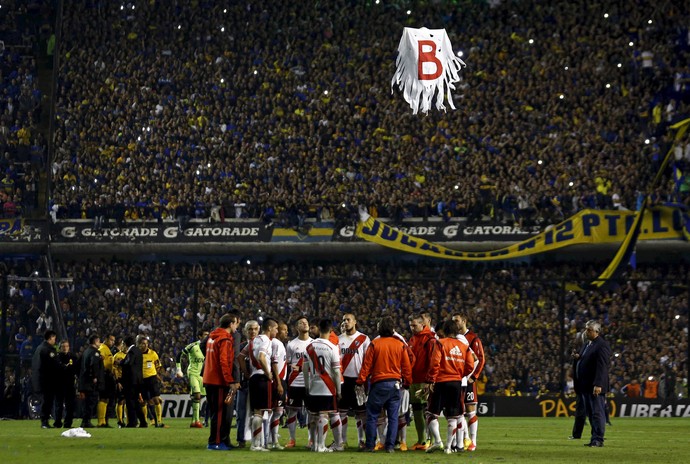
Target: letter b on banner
{"x":427,"y":54}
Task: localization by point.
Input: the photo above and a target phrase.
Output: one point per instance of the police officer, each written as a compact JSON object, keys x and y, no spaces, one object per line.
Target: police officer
{"x":45,"y":367}
{"x":66,"y":394}
{"x":91,"y":380}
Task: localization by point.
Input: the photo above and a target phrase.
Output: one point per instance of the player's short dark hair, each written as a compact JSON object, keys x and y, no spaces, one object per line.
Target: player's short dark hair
{"x":299,"y":318}
{"x":226,"y":320}
{"x":93,"y":338}
{"x":325,"y":325}
{"x":129,"y":340}
{"x":49,"y":334}
{"x":386,"y":326}
{"x":416,"y":316}
{"x":448,"y":328}
{"x":268,"y":323}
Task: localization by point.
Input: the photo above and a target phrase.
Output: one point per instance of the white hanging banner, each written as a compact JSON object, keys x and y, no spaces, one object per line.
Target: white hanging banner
{"x":426,"y":66}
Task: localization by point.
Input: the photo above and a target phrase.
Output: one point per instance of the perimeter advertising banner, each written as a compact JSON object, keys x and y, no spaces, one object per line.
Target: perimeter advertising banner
{"x":180,"y":406}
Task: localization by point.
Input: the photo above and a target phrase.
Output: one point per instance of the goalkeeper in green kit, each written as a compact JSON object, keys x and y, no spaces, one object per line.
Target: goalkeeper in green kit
{"x":195,"y":356}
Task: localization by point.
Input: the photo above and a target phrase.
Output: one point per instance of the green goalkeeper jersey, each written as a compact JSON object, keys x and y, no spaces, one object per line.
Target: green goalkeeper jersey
{"x":195,"y":357}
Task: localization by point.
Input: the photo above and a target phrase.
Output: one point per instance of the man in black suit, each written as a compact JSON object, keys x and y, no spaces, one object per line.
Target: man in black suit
{"x":45,"y":369}
{"x":132,"y":384}
{"x":592,"y":380}
{"x":580,"y":413}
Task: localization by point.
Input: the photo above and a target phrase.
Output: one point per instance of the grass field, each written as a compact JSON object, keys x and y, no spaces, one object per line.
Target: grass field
{"x":502,"y":440}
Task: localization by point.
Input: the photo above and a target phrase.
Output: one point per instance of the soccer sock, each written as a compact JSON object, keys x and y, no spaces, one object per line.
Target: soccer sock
{"x":119,"y":412}
{"x":461,"y":432}
{"x":343,"y":425}
{"x":472,"y":420}
{"x":361,"y":432}
{"x":337,"y":428}
{"x":419,"y":424}
{"x":402,"y":430}
{"x":321,"y":431}
{"x":266,"y":423}
{"x":432,"y":424}
{"x":292,"y":423}
{"x":313,"y":421}
{"x":101,"y":409}
{"x":452,"y":429}
{"x":275,"y":424}
{"x":257,"y":430}
{"x":158,"y":408}
{"x":195,"y":410}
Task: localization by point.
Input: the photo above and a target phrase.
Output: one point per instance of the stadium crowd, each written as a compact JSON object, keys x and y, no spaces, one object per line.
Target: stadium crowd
{"x":224,"y":109}
{"x":515,"y":309}
{"x":22,"y":145}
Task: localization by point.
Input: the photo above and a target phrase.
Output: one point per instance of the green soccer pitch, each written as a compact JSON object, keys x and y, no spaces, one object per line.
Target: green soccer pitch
{"x":501,"y":440}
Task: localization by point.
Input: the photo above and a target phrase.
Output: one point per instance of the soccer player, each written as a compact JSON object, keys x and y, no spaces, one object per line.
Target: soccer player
{"x":422,"y":344}
{"x":322,"y":382}
{"x":109,"y":392}
{"x":470,"y":399}
{"x":260,"y":380}
{"x":353,"y":346}
{"x":118,"y":360}
{"x":447,"y":368}
{"x":244,"y":431}
{"x":279,"y":368}
{"x":296,"y":352}
{"x":152,"y":388}
{"x":195,"y":358}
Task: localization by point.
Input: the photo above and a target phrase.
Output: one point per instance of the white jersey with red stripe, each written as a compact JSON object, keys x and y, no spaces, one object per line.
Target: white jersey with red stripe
{"x":259,"y":344}
{"x":352,"y":350}
{"x":322,"y":366}
{"x":296,"y":353}
{"x":278,"y":357}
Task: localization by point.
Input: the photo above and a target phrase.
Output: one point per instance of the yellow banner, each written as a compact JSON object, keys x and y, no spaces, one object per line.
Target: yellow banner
{"x":586,"y":227}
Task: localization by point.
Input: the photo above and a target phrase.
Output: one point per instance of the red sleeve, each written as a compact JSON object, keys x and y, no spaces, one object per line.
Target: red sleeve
{"x":227,"y":358}
{"x":434,"y":347}
{"x":478,"y":349}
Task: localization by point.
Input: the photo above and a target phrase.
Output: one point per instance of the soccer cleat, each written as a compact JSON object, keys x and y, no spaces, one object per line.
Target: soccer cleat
{"x":196,"y":425}
{"x":403,"y":446}
{"x":379,"y":446}
{"x":362,"y":445}
{"x":472,"y":447}
{"x":257,"y":448}
{"x":447,"y":451}
{"x":420,"y":447}
{"x":290,"y":444}
{"x":324,"y":450}
{"x":335,"y":447}
{"x":162,"y":426}
{"x":457,"y":449}
{"x":218,"y":447}
{"x":434,"y":447}
{"x":467,"y":441}
{"x":277,"y":446}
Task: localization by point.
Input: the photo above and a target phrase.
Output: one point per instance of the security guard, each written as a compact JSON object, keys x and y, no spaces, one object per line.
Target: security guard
{"x":66,"y":393}
{"x":44,"y":368}
{"x":91,"y":379}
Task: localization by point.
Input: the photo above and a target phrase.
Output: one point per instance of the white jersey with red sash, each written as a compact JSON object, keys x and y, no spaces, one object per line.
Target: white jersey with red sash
{"x":259,"y":344}
{"x":352,"y":350}
{"x":278,"y":357}
{"x":323,"y":364}
{"x":296,"y":352}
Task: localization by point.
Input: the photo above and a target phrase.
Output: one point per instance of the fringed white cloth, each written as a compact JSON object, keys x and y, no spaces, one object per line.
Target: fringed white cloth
{"x":426,"y":67}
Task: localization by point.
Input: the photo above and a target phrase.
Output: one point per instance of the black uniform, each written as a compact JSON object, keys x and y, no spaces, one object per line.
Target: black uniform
{"x":66,"y":393}
{"x":91,"y":380}
{"x":132,"y":384}
{"x":45,"y":368}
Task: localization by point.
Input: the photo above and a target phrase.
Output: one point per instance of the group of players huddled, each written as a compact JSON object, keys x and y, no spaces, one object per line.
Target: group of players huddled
{"x":322,"y":379}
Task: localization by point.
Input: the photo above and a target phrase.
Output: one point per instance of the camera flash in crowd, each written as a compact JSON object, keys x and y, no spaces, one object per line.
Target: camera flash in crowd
{"x":540,"y":162}
{"x":571,"y":183}
{"x":561,"y":96}
{"x":606,"y":15}
{"x":631,"y":43}
{"x":646,"y":141}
